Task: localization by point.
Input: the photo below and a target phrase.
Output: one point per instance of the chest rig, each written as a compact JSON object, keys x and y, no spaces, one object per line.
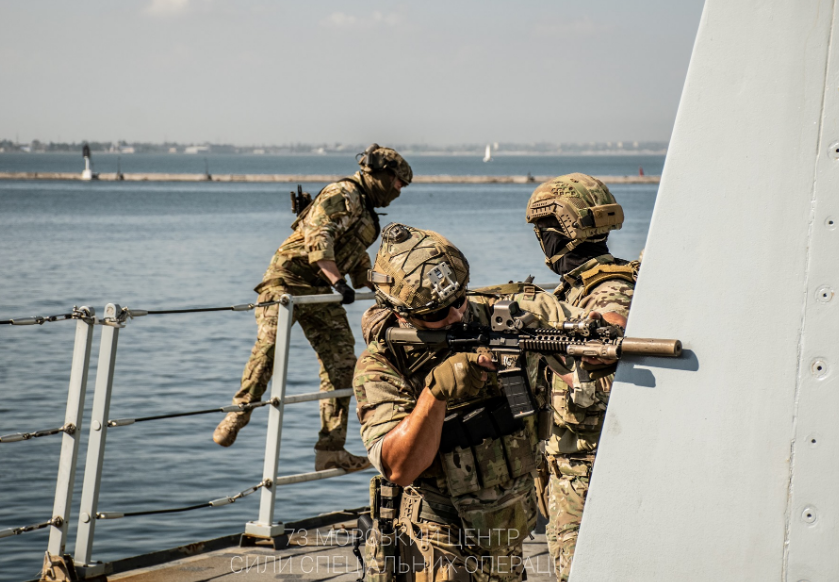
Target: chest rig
{"x":359,"y":235}
{"x":351,"y":245}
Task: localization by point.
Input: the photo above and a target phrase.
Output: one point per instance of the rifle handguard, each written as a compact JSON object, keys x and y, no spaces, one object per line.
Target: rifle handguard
{"x":411,"y":335}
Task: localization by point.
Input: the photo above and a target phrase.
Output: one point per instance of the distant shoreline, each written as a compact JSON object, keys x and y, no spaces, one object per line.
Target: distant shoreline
{"x":417,"y":153}
{"x":291,"y":178}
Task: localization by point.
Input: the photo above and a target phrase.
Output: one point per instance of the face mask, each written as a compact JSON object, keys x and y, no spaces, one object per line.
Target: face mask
{"x":554,"y":243}
{"x":379,"y":186}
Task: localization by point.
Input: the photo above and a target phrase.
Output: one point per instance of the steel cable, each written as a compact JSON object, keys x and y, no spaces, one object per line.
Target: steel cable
{"x":231,"y":408}
{"x":16,"y":531}
{"x":241,"y":307}
{"x":41,"y":320}
{"x":68,"y":428}
{"x":214,"y":503}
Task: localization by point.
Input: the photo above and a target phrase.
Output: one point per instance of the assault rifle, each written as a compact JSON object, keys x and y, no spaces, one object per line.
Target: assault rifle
{"x":509,"y":339}
{"x":300,"y":200}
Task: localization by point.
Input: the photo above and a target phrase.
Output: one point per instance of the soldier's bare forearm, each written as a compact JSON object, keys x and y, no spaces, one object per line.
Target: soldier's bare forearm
{"x":330,"y":269}
{"x":410,"y":448}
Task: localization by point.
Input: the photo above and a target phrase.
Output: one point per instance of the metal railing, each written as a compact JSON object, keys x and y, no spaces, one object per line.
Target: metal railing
{"x":114,"y":319}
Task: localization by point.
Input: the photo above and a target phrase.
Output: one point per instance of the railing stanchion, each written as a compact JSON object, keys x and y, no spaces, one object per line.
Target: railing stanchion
{"x":96,"y":442}
{"x":265,"y":526}
{"x":73,"y":432}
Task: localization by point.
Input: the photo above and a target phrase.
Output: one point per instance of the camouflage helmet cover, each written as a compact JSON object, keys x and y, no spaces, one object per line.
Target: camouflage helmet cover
{"x":376,"y":158}
{"x":418,"y":271}
{"x":581,"y":204}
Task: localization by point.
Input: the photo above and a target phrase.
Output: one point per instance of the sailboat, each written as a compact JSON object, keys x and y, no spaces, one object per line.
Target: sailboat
{"x":488,"y":154}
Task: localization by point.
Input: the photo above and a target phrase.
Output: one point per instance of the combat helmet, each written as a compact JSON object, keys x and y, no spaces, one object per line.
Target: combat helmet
{"x":417,"y":271}
{"x":577,"y":207}
{"x":376,"y":158}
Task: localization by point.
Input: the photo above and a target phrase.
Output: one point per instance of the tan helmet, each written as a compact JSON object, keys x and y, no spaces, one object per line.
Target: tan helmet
{"x":577,"y":206}
{"x":418,"y":271}
{"x":376,"y":158}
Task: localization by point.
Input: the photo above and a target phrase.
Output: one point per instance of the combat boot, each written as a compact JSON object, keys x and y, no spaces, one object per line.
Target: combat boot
{"x":227,"y":429}
{"x":341,"y":459}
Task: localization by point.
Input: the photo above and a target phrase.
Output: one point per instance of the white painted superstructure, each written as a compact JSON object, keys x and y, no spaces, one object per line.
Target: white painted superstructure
{"x":724,"y":466}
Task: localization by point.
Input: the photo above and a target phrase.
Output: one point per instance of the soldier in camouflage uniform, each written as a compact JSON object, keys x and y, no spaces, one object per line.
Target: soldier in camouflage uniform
{"x":456,"y":511}
{"x":330,"y":240}
{"x":572,"y":216}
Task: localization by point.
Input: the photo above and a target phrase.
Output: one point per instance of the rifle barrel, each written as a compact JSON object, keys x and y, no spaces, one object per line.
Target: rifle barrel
{"x":639,"y":346}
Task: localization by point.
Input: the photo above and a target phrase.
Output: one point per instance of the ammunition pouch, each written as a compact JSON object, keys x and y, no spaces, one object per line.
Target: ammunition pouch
{"x":500,"y":516}
{"x":384,"y":499}
{"x":576,"y":465}
{"x":380,"y":549}
{"x":487,"y":447}
{"x":488,"y":458}
{"x":571,"y":414}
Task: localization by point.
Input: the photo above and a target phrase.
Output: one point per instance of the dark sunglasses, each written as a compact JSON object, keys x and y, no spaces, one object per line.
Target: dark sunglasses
{"x":440,"y":314}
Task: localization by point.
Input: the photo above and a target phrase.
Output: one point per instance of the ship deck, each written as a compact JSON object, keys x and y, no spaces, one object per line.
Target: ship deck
{"x":319,"y":549}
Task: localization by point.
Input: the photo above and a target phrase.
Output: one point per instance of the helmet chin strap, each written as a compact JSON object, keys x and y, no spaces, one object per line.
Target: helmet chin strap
{"x":566,"y":249}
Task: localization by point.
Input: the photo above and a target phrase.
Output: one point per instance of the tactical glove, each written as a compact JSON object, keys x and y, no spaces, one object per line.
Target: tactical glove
{"x":457,"y":377}
{"x":345,"y":290}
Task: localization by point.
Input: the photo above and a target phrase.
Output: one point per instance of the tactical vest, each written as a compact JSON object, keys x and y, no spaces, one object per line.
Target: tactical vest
{"x":359,"y":236}
{"x":580,"y":425}
{"x":584,"y":283}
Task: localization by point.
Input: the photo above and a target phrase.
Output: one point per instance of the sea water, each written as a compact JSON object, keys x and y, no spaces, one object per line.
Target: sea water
{"x":158,"y":246}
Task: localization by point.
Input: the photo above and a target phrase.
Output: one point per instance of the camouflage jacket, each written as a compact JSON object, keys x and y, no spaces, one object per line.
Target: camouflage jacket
{"x":338,"y":226}
{"x":385,"y":394}
{"x":602,"y":284}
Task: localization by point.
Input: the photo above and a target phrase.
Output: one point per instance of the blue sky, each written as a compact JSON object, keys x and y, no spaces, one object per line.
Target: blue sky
{"x":251,"y":72}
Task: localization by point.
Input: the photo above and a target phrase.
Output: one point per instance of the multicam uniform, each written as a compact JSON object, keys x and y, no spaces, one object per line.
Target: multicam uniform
{"x":464,"y":518}
{"x":338,"y":226}
{"x":602,"y":284}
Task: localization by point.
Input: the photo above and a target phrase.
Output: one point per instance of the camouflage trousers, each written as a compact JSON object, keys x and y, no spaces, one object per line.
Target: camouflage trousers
{"x":328,"y":331}
{"x":432,"y":552}
{"x":568,"y":490}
